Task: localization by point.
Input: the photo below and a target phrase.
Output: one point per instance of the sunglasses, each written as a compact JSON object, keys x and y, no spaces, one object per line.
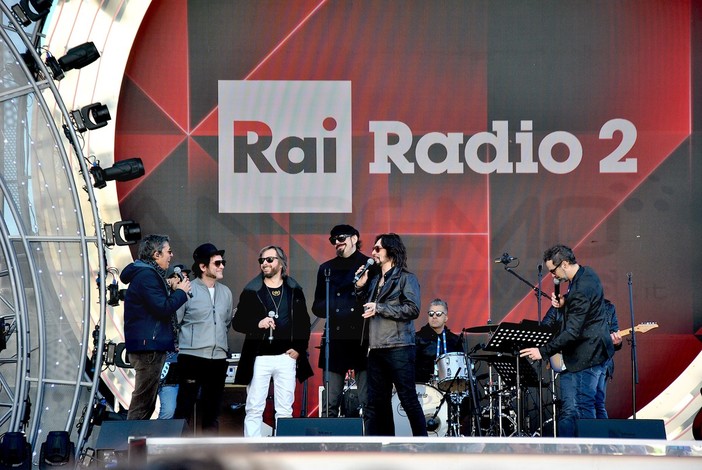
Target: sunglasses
{"x":268,"y":259}
{"x":553,"y":271}
{"x":338,"y":238}
{"x":220,"y":262}
{"x":431,"y":313}
{"x":377,"y":248}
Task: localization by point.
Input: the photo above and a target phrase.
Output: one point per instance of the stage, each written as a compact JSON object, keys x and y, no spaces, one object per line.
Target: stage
{"x":342,"y":453}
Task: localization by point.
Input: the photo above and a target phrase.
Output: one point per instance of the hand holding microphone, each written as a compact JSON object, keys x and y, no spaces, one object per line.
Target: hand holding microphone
{"x":556,"y":301}
{"x":271,"y":315}
{"x":363,"y":270}
{"x":186,"y":288}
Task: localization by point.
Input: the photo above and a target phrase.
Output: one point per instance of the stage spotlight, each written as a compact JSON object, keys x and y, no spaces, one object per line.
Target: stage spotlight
{"x":15,"y":451}
{"x":25,"y":15}
{"x":122,"y":233}
{"x":57,"y":450}
{"x":76,"y":58}
{"x":91,"y":117}
{"x":124,"y":170}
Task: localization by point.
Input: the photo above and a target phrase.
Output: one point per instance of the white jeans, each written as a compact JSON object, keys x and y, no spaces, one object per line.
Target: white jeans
{"x":281,"y":369}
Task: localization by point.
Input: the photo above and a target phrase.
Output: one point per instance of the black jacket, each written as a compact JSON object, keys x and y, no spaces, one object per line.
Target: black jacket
{"x":584,"y":339}
{"x":425,"y":341}
{"x":251,"y":310}
{"x":346,"y":349}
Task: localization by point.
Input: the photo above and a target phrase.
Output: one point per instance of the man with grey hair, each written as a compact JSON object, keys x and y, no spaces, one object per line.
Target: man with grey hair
{"x":434,"y":340}
{"x":149,"y":306}
{"x":272,"y":312}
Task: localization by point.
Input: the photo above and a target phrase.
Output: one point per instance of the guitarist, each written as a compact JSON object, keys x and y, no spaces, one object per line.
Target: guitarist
{"x":584,"y":339}
{"x":554,"y":319}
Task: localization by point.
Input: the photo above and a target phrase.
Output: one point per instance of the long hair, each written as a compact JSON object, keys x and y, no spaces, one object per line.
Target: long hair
{"x":151,"y":244}
{"x":281,"y":256}
{"x":559,"y":253}
{"x":395,"y":248}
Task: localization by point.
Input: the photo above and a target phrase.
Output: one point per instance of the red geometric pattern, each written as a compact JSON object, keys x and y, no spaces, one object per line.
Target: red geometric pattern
{"x":453,"y":67}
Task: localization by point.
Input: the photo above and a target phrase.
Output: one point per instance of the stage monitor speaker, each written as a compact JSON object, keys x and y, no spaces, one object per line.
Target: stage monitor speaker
{"x":319,"y":427}
{"x":115,"y":435}
{"x":621,"y":428}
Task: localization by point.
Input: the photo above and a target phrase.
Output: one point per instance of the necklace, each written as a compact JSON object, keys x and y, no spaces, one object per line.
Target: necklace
{"x":273,"y":293}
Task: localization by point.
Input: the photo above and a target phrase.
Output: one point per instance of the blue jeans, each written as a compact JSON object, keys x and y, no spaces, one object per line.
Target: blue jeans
{"x":601,"y":395}
{"x":168,"y":396}
{"x":578,"y":391}
{"x":388,"y":366}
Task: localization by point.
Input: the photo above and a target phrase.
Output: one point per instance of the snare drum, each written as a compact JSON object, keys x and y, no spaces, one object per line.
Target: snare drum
{"x":448,"y":365}
{"x":429,"y":399}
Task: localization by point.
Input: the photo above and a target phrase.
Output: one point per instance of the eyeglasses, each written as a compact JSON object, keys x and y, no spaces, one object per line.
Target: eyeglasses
{"x":267,"y":259}
{"x":377,"y":248}
{"x":553,"y":271}
{"x":439,"y":313}
{"x":338,"y":238}
{"x":220,"y":262}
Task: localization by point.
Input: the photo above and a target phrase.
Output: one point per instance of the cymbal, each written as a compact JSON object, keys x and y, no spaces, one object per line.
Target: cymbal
{"x":481,"y":329}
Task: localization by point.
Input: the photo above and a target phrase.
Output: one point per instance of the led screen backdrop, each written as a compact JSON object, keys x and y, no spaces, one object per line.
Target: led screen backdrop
{"x":471,"y":128}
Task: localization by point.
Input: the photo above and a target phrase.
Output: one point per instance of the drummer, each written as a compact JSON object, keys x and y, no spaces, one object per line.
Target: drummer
{"x":433,"y":341}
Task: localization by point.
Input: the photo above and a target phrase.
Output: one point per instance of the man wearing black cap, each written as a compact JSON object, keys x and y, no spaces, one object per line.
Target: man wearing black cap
{"x":346,"y":349}
{"x":202,"y":340}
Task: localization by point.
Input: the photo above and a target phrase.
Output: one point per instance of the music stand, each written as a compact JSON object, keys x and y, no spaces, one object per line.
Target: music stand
{"x":505,"y":366}
{"x":510,"y":338}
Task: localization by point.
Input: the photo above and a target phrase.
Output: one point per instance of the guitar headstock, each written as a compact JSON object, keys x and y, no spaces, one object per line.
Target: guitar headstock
{"x":645,"y":326}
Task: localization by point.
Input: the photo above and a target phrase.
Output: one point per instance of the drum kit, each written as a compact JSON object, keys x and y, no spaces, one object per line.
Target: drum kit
{"x":470,"y":394}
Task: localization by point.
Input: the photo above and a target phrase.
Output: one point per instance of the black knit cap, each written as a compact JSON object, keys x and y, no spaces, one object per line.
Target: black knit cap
{"x":344,"y":229}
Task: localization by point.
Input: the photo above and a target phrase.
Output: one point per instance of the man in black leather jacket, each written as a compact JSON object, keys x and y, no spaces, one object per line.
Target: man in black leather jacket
{"x":392,"y":304}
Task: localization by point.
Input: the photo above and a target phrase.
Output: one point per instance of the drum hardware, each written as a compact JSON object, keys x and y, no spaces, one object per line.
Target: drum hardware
{"x":453,"y":412}
{"x":481,"y":328}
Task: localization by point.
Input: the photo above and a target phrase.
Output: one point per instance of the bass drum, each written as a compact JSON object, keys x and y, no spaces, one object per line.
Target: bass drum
{"x":429,"y":399}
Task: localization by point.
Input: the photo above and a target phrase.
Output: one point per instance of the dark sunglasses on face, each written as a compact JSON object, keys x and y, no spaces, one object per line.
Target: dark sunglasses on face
{"x":268,"y":259}
{"x":431,"y":313}
{"x":338,"y":238}
{"x":220,"y":262}
{"x":377,"y":248}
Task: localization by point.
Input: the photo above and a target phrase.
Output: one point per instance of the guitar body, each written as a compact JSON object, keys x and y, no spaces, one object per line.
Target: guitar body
{"x":556,"y":360}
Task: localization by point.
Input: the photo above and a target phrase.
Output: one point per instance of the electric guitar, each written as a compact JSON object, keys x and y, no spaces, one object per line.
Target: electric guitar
{"x":556,"y":360}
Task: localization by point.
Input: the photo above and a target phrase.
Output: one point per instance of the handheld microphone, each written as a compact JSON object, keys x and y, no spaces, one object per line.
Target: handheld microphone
{"x":271,"y":314}
{"x":368,"y":264}
{"x":505,"y":259}
{"x":178,"y":272}
{"x":557,"y":287}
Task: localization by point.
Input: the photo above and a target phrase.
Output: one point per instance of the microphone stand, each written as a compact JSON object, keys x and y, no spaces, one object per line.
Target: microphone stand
{"x":539,"y":269}
{"x":634,"y":361}
{"x":327,"y":273}
{"x":539,"y":293}
{"x":473,"y":386}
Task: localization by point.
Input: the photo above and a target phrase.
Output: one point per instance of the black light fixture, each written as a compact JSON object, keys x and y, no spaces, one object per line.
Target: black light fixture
{"x":57,"y":450}
{"x":123,"y":170}
{"x":76,"y":58}
{"x":26,"y":15}
{"x":15,"y":451}
{"x":122,"y":233}
{"x":91,"y":117}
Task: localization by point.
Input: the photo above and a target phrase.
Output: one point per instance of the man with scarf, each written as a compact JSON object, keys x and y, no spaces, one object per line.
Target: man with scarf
{"x":149,"y":306}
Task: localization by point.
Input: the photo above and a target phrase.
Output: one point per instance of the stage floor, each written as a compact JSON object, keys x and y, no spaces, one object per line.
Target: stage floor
{"x":352,"y":453}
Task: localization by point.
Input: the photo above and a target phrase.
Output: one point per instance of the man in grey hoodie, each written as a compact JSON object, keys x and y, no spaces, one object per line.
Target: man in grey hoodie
{"x":203,"y":323}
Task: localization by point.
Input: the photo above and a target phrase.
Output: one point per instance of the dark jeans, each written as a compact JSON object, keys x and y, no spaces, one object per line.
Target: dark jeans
{"x":578,"y":391}
{"x":388,"y":366}
{"x":204,"y":376}
{"x":147,"y":366}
